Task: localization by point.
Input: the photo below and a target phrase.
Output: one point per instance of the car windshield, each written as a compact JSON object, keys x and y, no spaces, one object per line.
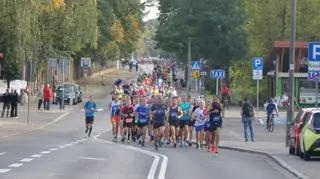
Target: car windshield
{"x":67,"y":89}
{"x":298,"y":116}
{"x":316,"y":120}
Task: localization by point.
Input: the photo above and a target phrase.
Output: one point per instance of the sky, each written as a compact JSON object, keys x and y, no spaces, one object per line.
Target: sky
{"x":153,"y":12}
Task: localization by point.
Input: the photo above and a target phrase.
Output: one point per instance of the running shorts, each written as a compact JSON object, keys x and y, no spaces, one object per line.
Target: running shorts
{"x":127,"y":124}
{"x":174,"y":123}
{"x":140,"y":125}
{"x":199,"y":128}
{"x":157,"y":125}
{"x":216,"y":125}
{"x":183,"y":123}
{"x":207,"y":126}
{"x":116,"y":119}
{"x":191,"y":123}
{"x":89,"y":119}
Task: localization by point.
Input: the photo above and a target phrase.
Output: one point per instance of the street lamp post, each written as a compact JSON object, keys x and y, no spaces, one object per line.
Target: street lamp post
{"x":290,"y":111}
{"x":189,"y":67}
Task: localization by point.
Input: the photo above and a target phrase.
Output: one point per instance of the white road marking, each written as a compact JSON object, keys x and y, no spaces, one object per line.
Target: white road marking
{"x":68,"y":145}
{"x":26,"y":160}
{"x":152,"y":171}
{"x":36,"y":155}
{"x":45,"y":152}
{"x":90,"y":158}
{"x":4,"y":170}
{"x":53,"y":149}
{"x":3,"y":153}
{"x":62,"y":147}
{"x":16,"y":165}
{"x":74,"y":143}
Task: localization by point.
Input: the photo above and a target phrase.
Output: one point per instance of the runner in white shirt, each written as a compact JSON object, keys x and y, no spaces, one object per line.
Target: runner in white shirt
{"x":199,"y":117}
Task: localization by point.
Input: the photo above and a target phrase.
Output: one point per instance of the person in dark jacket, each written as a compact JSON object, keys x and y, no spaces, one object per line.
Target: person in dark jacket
{"x":6,"y":103}
{"x":14,"y":103}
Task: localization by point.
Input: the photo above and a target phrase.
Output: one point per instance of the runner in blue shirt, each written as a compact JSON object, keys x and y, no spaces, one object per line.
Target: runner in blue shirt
{"x":158,"y":111}
{"x":90,"y":108}
{"x":142,"y":113}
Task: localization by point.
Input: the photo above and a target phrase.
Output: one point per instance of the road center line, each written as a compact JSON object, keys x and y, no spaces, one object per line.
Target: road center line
{"x":36,"y":156}
{"x":16,"y":165}
{"x":53,"y":149}
{"x":90,"y":158}
{"x":26,"y":160}
{"x":3,"y":153}
{"x":4,"y":170}
{"x":62,"y":147}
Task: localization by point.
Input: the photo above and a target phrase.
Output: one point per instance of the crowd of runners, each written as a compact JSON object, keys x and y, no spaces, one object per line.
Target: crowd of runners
{"x":150,"y":109}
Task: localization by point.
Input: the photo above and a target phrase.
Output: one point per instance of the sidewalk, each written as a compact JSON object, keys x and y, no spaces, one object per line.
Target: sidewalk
{"x":39,"y":119}
{"x":268,"y":144}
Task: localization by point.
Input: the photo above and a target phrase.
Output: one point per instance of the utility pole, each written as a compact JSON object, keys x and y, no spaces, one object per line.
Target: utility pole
{"x":189,"y":67}
{"x":290,"y":111}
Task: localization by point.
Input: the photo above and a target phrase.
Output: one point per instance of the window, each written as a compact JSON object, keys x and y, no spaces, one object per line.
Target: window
{"x":316,"y":121}
{"x":306,"y":117}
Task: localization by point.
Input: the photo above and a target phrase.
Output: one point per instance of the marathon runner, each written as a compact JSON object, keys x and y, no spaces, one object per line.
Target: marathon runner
{"x":90,"y":108}
{"x":158,"y":119}
{"x":174,"y":113}
{"x":184,"y":121}
{"x":115,"y":116}
{"x":216,"y":115}
{"x":127,"y":113}
{"x":142,"y":113}
{"x":199,"y":117}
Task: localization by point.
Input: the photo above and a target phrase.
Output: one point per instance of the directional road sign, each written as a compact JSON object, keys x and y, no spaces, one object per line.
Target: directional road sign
{"x":195,"y":65}
{"x":257,"y":66}
{"x":314,"y":61}
{"x":217,"y":74}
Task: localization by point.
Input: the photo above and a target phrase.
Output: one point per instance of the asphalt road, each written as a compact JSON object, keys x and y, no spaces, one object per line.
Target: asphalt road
{"x":61,"y":150}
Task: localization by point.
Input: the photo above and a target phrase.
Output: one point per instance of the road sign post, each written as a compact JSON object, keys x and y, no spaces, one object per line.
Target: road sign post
{"x":257,"y":66}
{"x":217,"y":74}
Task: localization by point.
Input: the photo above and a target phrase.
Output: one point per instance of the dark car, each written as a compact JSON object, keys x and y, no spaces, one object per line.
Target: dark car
{"x":70,"y":94}
{"x":79,"y":93}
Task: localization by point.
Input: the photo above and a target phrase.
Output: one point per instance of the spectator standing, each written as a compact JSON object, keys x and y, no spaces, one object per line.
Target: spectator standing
{"x":14,"y":103}
{"x":40,"y":97}
{"x":6,"y":103}
{"x":247,"y":114}
{"x":47,"y":95}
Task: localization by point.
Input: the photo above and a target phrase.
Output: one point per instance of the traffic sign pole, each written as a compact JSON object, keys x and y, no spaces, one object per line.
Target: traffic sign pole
{"x":257,"y":94}
{"x":317,"y":93}
{"x":217,"y":86}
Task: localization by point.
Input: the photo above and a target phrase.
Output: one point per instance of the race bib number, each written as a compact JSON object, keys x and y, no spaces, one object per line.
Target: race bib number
{"x":129,"y":120}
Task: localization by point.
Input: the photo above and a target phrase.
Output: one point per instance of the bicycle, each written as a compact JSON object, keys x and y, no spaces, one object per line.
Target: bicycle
{"x":270,"y":122}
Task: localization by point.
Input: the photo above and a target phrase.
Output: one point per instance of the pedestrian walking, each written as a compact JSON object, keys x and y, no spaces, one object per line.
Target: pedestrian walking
{"x":6,"y":103}
{"x":247,"y":114}
{"x":90,"y":108}
{"x":14,"y":103}
{"x":47,"y":95}
{"x":40,"y":97}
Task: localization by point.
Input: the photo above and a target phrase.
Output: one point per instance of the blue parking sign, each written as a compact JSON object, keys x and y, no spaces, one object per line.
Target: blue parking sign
{"x":257,"y":63}
{"x":314,"y":61}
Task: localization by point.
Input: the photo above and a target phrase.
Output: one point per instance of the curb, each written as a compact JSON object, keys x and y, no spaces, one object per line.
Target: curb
{"x":276,"y":159}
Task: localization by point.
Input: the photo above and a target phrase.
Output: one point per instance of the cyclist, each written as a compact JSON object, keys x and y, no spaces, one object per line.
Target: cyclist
{"x":185,"y":106}
{"x":142,"y":112}
{"x":158,"y":119}
{"x":90,"y":108}
{"x":271,"y":108}
{"x":115,"y":116}
{"x":174,"y":113}
{"x":225,"y":95}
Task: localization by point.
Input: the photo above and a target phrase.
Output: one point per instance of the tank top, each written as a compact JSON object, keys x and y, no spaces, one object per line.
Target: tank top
{"x":173,"y":114}
{"x":158,"y":113}
{"x":186,"y":111}
{"x":115,"y":108}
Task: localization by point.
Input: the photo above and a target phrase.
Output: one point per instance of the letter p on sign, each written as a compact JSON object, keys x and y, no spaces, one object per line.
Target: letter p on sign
{"x":315,"y":52}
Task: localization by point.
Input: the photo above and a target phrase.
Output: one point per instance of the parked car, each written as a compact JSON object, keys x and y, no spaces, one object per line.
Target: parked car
{"x":310,"y":135}
{"x":79,"y":93}
{"x":295,"y":130}
{"x":70,"y":96}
